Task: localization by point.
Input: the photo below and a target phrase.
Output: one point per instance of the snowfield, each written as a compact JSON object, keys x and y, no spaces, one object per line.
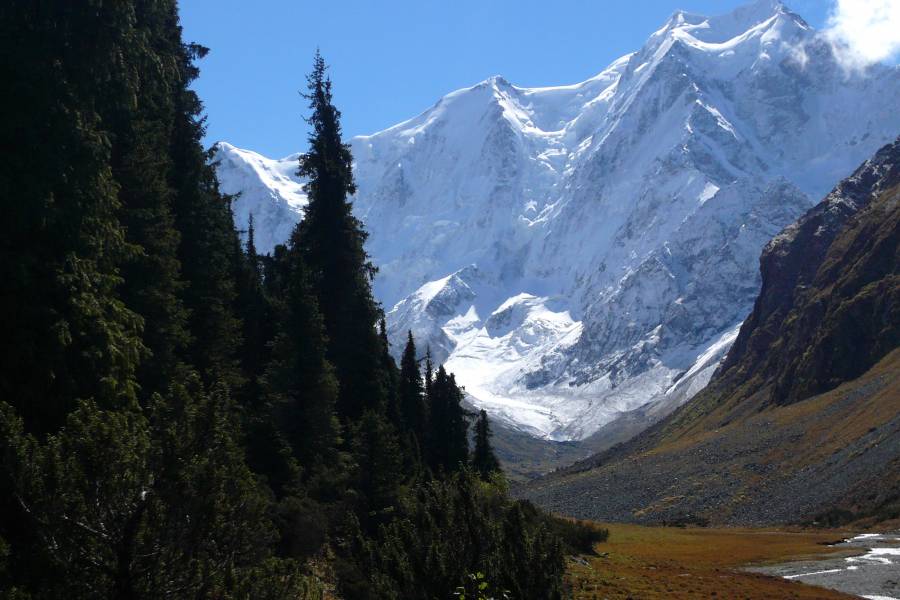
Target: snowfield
{"x":573,"y":253}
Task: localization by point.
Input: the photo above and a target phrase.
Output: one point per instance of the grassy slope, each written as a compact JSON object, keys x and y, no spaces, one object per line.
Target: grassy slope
{"x":672,"y":563}
{"x":749,"y":461}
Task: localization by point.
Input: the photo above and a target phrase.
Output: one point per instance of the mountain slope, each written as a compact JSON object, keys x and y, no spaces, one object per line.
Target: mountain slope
{"x":584,"y":252}
{"x":804,"y":414}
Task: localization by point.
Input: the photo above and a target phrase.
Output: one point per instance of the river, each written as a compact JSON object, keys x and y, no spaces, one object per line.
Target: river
{"x":873,"y":572}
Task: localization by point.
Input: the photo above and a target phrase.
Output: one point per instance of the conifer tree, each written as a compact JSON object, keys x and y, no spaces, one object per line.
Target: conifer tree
{"x":139,"y":111}
{"x":448,"y":446}
{"x":127,"y":507}
{"x":429,"y":375}
{"x":331,"y":240}
{"x":209,"y":248}
{"x":64,"y":334}
{"x":484,"y":461}
{"x":392,"y":377}
{"x":414,"y":415}
{"x":255,"y":314}
{"x":300,"y":383}
{"x":379,"y":463}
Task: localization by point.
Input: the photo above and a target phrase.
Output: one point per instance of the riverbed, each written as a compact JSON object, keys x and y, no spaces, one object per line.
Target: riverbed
{"x":872,"y":570}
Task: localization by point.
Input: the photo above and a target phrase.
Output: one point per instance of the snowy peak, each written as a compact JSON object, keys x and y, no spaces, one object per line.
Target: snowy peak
{"x":573,"y":252}
{"x":268,"y":189}
{"x":730,"y":26}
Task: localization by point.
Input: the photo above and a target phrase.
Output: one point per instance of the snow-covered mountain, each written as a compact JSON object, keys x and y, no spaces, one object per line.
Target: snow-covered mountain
{"x":577,"y":252}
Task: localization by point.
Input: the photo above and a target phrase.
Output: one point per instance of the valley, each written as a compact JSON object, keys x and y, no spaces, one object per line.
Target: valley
{"x":582,"y":256}
{"x":687,"y":563}
{"x":634,"y":337}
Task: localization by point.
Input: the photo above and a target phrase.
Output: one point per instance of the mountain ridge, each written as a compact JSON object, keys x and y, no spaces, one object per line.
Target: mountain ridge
{"x":743,"y":450}
{"x":608,"y":221}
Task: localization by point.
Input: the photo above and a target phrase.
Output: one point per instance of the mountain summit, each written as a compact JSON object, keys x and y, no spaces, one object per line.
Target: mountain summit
{"x":577,"y":253}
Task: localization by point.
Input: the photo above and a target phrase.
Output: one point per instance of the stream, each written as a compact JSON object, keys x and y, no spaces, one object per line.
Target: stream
{"x":872,"y":574}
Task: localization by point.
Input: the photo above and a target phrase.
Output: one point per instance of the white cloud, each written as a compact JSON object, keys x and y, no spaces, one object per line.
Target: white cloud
{"x":864,"y":32}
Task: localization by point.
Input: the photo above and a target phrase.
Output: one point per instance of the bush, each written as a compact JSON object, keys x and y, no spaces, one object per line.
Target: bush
{"x":445,"y":531}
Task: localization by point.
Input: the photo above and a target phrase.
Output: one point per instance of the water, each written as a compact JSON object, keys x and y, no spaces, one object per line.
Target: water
{"x":874,"y":573}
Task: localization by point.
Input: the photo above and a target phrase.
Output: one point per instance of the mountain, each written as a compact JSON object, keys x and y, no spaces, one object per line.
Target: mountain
{"x":802,"y":420}
{"x":584,"y":255}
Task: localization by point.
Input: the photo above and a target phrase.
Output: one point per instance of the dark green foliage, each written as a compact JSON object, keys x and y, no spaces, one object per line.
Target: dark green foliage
{"x":173,"y":404}
{"x":209,"y":253}
{"x":446,"y":530}
{"x":391,"y":375}
{"x":139,"y":112}
{"x":331,"y":242}
{"x":65,"y":334}
{"x":484,"y":462}
{"x":132,"y":508}
{"x":300,"y":385}
{"x":255,"y":313}
{"x":578,"y":537}
{"x":414,"y":413}
{"x":379,"y":464}
{"x":448,"y":445}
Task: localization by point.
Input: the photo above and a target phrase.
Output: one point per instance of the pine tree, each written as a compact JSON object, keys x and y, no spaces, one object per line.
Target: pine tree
{"x":414,"y":416}
{"x":379,"y":463}
{"x":331,"y":240}
{"x":448,"y":446}
{"x":392,"y":377}
{"x":429,"y":375}
{"x":64,"y":333}
{"x":127,"y":507}
{"x":209,"y":250}
{"x":484,"y":461}
{"x":300,"y":383}
{"x":255,"y":314}
{"x":139,"y":113}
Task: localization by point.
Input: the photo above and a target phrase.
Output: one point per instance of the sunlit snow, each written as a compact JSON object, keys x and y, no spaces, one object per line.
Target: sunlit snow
{"x":577,"y":252}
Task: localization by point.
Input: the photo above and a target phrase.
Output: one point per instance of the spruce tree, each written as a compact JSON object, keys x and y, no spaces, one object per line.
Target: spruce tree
{"x":299,"y":382}
{"x":209,"y":250}
{"x":255,"y":314}
{"x":448,"y":446}
{"x":139,"y":113}
{"x":484,"y":461}
{"x":429,"y":375}
{"x":392,"y":377}
{"x":331,"y":240}
{"x":379,"y":466}
{"x":414,"y":416}
{"x":65,"y":333}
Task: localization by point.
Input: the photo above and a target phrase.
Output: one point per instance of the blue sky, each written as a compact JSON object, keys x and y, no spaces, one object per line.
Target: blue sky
{"x":392,"y":59}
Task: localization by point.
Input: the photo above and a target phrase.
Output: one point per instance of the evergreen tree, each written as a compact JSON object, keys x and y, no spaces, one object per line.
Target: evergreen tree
{"x":255,"y":314}
{"x":209,"y":247}
{"x":65,"y":333}
{"x":300,"y":383}
{"x":139,"y":111}
{"x":379,"y":466}
{"x":331,"y":240}
{"x":414,"y":415}
{"x":484,"y":461}
{"x":391,"y":374}
{"x":127,"y":507}
{"x":448,"y":446}
{"x":429,"y":375}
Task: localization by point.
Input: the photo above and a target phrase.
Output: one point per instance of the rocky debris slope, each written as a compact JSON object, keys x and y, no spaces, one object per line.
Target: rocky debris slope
{"x":804,"y":415}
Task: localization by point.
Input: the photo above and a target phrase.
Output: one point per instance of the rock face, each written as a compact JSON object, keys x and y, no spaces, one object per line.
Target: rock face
{"x":580,"y":253}
{"x":828,"y":309}
{"x":804,"y":414}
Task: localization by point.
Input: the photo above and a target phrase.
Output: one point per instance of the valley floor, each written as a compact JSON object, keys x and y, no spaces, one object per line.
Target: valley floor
{"x":673,"y":563}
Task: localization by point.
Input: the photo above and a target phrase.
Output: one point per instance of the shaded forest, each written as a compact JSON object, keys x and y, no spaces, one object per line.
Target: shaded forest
{"x":183,"y":417}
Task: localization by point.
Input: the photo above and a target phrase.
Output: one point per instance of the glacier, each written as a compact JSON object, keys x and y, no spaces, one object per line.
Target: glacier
{"x":577,"y":253}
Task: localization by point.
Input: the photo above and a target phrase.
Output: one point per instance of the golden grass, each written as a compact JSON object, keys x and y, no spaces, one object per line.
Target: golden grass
{"x":659,"y":562}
